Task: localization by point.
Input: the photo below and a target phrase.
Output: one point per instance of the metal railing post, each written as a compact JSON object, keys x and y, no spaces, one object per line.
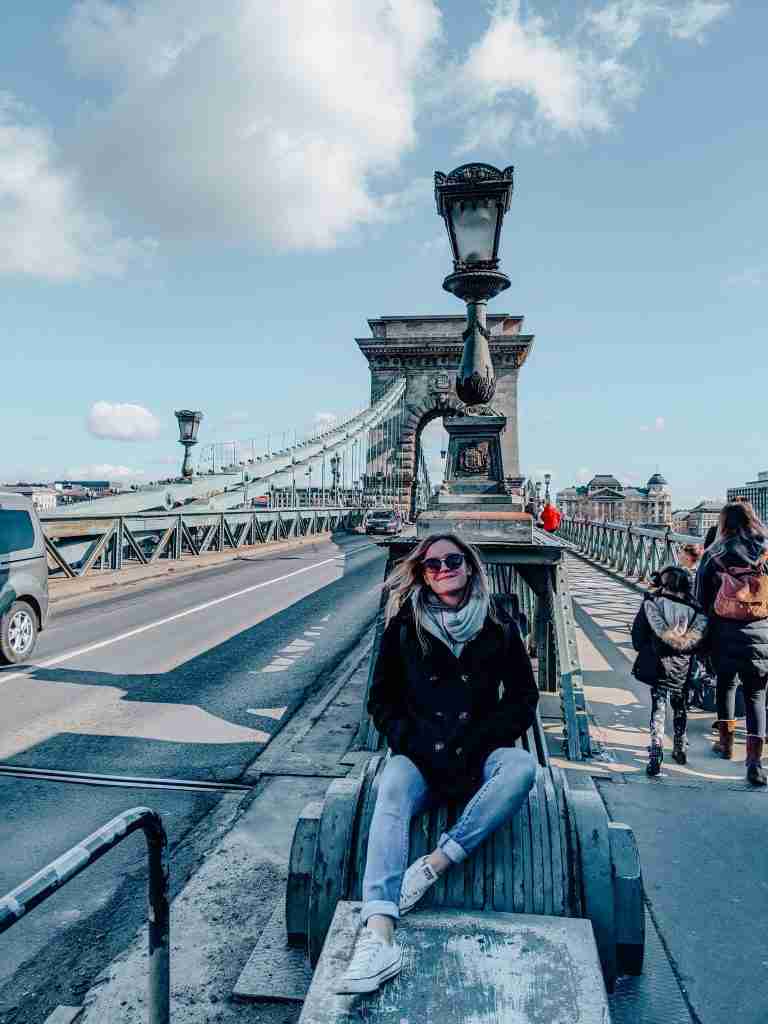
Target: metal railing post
{"x":30,"y":894}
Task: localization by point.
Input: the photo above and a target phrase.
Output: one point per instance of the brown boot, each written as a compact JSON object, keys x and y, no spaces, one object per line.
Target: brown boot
{"x":755,"y":773}
{"x":724,"y":746}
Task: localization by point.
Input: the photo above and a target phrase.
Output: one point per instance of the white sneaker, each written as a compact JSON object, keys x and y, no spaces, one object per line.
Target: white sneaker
{"x":419,"y":877}
{"x":373,"y":962}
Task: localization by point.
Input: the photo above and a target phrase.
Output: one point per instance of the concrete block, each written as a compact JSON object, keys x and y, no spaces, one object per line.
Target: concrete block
{"x":274,"y":970}
{"x":64,"y":1015}
{"x":469,"y":968}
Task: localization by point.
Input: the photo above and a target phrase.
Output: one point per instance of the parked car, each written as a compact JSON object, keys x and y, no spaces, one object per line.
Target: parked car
{"x":23,"y":579}
{"x":383,"y":520}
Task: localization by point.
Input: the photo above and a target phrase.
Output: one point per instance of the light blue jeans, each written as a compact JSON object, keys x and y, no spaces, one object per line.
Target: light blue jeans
{"x":508,"y":775}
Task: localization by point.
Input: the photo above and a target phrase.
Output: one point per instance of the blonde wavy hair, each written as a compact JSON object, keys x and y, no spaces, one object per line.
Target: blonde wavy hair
{"x":407,"y":578}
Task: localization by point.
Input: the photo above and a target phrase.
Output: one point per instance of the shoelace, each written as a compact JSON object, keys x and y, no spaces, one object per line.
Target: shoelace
{"x":426,"y":875}
{"x":368,"y":945}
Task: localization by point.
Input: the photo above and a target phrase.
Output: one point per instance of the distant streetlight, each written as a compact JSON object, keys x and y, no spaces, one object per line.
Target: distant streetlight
{"x":547,"y":479}
{"x":472,"y":200}
{"x":335,"y":461}
{"x":189,"y":424}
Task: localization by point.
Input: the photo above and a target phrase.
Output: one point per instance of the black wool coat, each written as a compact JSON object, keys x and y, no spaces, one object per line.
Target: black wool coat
{"x":658,"y":664}
{"x":733,"y":647}
{"x":447,"y":714}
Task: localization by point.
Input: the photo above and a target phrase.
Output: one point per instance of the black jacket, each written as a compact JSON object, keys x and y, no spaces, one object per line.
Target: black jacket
{"x":733,"y":646}
{"x":659,"y":663}
{"x":446,"y":713}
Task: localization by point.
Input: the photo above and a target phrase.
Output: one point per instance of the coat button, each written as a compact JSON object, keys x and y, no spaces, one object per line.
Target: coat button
{"x":439,"y":747}
{"x":459,"y":751}
{"x":465,"y":678}
{"x":464,"y":716}
{"x":439,"y":714}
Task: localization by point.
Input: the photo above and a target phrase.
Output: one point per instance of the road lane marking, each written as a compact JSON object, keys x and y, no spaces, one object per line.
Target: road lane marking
{"x":61,"y":658}
{"x":275,"y":713}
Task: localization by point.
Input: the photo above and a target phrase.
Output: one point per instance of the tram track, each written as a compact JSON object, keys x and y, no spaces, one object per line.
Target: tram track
{"x":121,"y":781}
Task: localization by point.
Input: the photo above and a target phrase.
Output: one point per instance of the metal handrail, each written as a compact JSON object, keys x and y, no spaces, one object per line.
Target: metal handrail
{"x":635,"y":551}
{"x":107,"y":541}
{"x":30,"y":894}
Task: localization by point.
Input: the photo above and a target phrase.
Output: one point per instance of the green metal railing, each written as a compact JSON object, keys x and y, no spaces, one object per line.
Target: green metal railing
{"x":634,"y":551}
{"x":78,"y":545}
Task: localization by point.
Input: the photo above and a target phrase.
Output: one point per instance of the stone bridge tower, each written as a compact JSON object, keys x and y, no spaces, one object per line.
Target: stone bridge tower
{"x":427,"y":350}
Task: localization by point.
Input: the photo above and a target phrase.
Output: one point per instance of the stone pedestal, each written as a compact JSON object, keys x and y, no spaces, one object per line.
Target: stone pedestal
{"x":475,"y":499}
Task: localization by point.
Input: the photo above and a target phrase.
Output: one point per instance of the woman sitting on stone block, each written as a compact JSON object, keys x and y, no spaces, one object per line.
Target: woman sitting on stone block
{"x":453,"y":688}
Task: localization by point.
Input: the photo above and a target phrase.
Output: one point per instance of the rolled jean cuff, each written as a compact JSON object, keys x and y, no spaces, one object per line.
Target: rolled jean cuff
{"x":383,"y":907}
{"x":455,"y":853}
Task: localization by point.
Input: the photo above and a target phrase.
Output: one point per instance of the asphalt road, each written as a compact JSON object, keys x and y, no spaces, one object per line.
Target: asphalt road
{"x":186,"y":679}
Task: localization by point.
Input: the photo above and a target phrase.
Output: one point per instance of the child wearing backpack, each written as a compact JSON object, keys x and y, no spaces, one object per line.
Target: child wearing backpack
{"x":667,"y":631}
{"x":732,"y":587}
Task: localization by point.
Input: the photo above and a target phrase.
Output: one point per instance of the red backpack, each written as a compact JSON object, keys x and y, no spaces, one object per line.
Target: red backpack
{"x":743,"y":593}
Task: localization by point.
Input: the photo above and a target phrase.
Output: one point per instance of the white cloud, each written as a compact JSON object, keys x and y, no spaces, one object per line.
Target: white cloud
{"x":658,"y":425}
{"x":102,"y":471}
{"x":324,"y":420}
{"x":242,"y":120}
{"x":751,"y":277}
{"x":526,"y":75}
{"x":623,"y":22}
{"x":47,"y":229}
{"x":122,"y":422}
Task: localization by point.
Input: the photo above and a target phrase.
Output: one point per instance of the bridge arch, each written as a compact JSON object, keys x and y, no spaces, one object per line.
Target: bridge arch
{"x":426,"y":351}
{"x":429,"y":408}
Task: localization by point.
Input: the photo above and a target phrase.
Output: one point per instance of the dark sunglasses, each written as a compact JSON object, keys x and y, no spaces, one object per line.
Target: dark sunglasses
{"x":450,"y":561}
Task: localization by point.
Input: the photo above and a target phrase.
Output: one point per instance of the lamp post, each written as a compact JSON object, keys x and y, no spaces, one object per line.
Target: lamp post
{"x":472,"y":200}
{"x":189,"y":424}
{"x":538,"y":496}
{"x":547,"y":479}
{"x":335,"y":460}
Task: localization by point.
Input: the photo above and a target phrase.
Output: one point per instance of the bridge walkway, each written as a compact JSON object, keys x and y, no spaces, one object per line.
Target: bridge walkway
{"x":700,"y":828}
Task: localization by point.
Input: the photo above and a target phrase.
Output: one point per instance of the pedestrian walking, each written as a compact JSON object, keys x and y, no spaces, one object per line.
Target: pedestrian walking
{"x":701,"y":683}
{"x":668,"y":629}
{"x":732,"y":587}
{"x":550,"y":517}
{"x":452,"y":690}
{"x":689,"y":557}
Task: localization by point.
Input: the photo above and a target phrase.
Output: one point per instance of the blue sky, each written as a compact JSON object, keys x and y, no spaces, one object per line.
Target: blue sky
{"x":201,"y":204}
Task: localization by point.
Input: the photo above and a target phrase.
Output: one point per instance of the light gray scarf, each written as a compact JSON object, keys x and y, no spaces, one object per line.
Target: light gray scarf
{"x":455,"y":627}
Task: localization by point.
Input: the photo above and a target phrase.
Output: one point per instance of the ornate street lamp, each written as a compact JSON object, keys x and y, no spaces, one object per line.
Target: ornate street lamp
{"x":189,"y":424}
{"x":547,"y":479}
{"x":335,"y":460}
{"x":472,"y":200}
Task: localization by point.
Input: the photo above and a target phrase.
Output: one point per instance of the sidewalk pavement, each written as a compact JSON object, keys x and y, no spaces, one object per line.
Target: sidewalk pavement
{"x":102,"y":581}
{"x":700,"y":827}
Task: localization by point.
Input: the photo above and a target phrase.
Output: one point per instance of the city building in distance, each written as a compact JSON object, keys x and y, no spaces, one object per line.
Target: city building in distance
{"x":44,"y":498}
{"x":605,"y":499}
{"x":756,"y":492}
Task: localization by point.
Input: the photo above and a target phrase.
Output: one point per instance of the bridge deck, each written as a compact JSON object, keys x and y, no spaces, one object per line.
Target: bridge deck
{"x":699,"y":828}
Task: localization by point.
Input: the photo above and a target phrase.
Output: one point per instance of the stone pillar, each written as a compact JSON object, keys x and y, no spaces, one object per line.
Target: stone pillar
{"x":505,"y":402}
